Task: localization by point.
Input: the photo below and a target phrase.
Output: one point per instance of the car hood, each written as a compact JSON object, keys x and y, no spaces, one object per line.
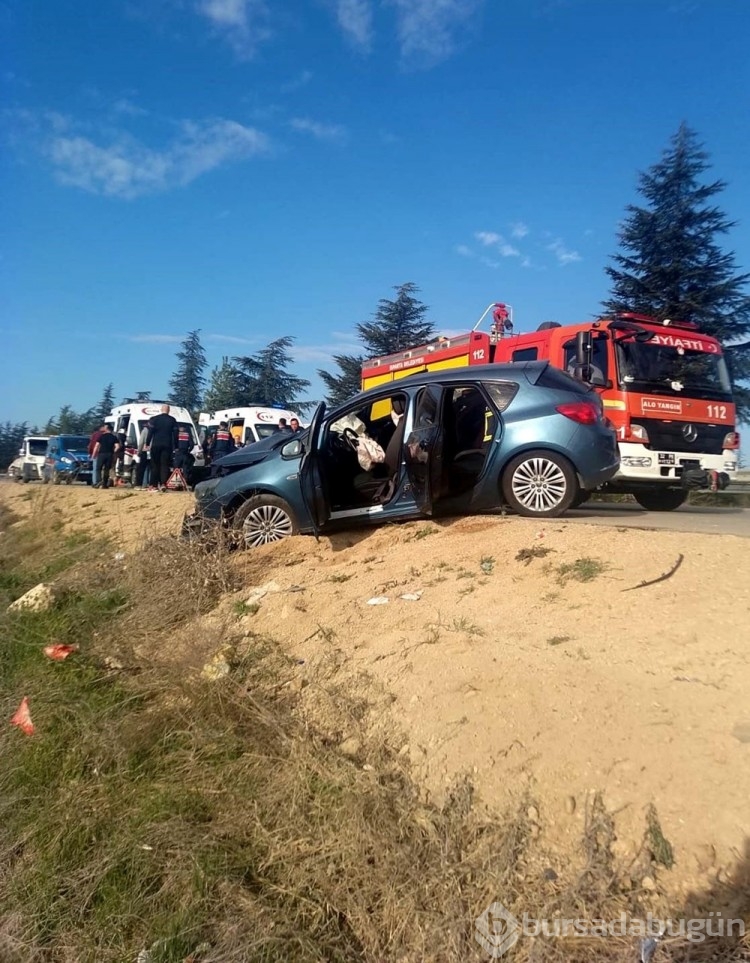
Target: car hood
{"x":253,"y":454}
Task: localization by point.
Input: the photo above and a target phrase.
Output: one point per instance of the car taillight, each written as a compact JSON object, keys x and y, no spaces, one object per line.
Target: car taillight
{"x":731,"y":440}
{"x":584,"y":412}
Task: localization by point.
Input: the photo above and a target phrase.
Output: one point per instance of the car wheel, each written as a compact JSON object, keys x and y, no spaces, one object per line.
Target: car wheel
{"x":56,"y":477}
{"x":45,"y":478}
{"x":263,"y":519}
{"x":661,"y":501}
{"x":540,"y":484}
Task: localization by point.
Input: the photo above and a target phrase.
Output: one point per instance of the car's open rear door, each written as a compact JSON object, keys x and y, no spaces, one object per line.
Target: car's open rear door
{"x":310,"y":476}
{"x":423,"y":449}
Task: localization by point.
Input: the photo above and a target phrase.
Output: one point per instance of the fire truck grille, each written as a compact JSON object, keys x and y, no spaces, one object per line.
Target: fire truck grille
{"x":683,"y":436}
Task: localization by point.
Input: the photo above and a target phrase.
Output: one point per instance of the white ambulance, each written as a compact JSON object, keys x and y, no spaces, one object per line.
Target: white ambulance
{"x":131,"y":419}
{"x":247,"y":425}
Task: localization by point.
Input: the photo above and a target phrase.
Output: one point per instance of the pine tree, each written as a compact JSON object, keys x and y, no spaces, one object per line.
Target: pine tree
{"x":105,"y":406}
{"x":265,"y":381}
{"x":672,"y":265}
{"x":186,"y":384}
{"x":396,"y":325}
{"x":341,"y":387}
{"x":11,"y":439}
{"x":224,"y":387}
{"x":71,"y":422}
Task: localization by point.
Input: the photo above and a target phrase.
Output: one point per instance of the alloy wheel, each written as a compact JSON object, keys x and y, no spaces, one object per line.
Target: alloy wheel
{"x":266,"y":523}
{"x":539,"y":484}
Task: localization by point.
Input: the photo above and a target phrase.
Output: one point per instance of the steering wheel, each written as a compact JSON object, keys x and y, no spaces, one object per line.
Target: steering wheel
{"x":351,"y":438}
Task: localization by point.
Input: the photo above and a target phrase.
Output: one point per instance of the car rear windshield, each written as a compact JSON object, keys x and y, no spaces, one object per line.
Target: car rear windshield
{"x":560,"y":381}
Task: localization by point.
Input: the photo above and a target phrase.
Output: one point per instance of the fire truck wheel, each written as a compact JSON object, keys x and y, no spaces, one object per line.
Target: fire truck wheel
{"x":540,"y":484}
{"x":263,"y":519}
{"x":664,"y":500}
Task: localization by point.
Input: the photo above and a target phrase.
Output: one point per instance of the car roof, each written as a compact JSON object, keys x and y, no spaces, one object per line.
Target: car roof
{"x":506,"y":371}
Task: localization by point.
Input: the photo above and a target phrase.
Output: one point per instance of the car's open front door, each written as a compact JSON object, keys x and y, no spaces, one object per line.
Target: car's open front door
{"x":310,"y":476}
{"x":423,"y":449}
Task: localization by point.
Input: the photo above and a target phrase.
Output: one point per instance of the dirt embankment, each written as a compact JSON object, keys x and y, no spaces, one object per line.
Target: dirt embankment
{"x":526,"y":655}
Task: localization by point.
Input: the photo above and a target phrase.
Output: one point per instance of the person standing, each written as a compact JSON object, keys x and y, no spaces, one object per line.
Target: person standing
{"x":294,"y":425}
{"x":222,"y":444}
{"x":161,"y":442}
{"x":183,"y":456}
{"x":92,"y":445}
{"x":142,"y":467}
{"x":282,"y":425}
{"x":104,"y":453}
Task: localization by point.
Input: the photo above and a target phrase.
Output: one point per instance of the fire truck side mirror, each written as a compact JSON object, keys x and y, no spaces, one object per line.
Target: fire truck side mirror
{"x":584,"y":353}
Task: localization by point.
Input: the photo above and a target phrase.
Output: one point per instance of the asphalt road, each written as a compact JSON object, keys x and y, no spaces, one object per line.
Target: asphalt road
{"x":689,"y":518}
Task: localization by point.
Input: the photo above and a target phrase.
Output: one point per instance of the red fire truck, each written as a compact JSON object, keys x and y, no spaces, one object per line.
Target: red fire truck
{"x":664,"y":385}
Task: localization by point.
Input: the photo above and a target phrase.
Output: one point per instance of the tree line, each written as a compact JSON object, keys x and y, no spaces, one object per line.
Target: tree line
{"x":670,"y":265}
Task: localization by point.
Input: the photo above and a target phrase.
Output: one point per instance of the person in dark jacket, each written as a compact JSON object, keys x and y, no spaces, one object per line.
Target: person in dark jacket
{"x":221,"y":444}
{"x":104,"y":453}
{"x":161,"y":442}
{"x":183,"y":455}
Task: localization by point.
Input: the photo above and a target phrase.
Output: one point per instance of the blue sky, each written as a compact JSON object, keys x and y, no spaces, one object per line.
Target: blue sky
{"x":258,"y":168}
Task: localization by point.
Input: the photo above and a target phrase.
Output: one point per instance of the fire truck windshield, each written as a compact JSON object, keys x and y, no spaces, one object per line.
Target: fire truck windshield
{"x":668,"y":370}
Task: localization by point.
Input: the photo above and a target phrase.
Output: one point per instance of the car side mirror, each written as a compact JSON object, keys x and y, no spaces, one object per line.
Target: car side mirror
{"x":292,"y":449}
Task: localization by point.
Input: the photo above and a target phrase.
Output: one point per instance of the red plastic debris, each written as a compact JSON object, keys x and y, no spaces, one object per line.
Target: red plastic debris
{"x":58,"y":652}
{"x":22,"y":718}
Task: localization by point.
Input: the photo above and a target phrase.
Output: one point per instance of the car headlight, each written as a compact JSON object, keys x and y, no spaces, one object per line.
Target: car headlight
{"x":67,"y":461}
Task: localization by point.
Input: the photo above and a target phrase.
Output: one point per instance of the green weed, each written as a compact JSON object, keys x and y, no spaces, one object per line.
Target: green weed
{"x":582,"y":570}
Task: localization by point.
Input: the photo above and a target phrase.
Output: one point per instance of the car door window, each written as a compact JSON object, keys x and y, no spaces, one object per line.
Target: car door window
{"x":361,"y":451}
{"x":471,"y":423}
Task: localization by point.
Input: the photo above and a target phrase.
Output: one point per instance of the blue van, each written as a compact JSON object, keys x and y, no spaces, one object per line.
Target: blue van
{"x":67,"y":460}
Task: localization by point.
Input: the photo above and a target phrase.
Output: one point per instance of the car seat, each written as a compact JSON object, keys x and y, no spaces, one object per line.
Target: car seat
{"x":379,"y":484}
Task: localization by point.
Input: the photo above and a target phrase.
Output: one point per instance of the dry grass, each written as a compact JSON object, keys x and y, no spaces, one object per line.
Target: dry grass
{"x":229,"y":822}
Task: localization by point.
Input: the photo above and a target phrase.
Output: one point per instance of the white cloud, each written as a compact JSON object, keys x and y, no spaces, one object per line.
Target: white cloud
{"x":498,"y":242}
{"x":488,"y":262}
{"x":464,"y":251}
{"x":355,"y":19}
{"x":244,"y":23}
{"x":127,"y":168}
{"x":305,"y":125}
{"x":563,"y":254}
{"x":301,"y":352}
{"x":302,"y":80}
{"x":230,"y":339}
{"x":127,"y":107}
{"x":427,"y":28}
{"x":155,"y":338}
{"x":518,"y":229}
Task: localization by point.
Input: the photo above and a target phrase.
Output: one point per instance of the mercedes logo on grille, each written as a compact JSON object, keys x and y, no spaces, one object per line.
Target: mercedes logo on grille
{"x":689,"y":432}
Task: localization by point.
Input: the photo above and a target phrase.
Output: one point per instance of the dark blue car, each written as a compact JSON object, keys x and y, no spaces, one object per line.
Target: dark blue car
{"x":67,"y":460}
{"x":467,"y":440}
